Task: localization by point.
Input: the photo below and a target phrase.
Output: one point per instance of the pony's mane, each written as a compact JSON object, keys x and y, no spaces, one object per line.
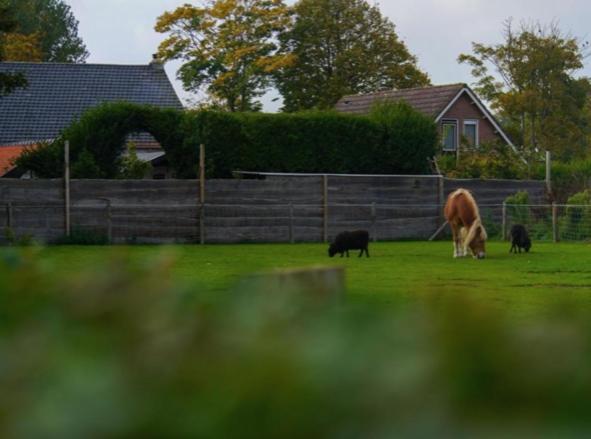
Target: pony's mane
{"x":478,"y":221}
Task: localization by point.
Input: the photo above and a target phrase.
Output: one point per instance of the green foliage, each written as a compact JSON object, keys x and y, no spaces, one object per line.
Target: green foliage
{"x":577,"y":220}
{"x":342,"y":47}
{"x":83,"y":237}
{"x":394,"y":139}
{"x":132,"y":168}
{"x":410,"y":138}
{"x":227,"y":48}
{"x":55,"y":25}
{"x":517,"y":207}
{"x":567,"y":177}
{"x":488,"y":160}
{"x":11,"y":238}
{"x":8,"y":81}
{"x":121,"y":349}
{"x":535,"y":88}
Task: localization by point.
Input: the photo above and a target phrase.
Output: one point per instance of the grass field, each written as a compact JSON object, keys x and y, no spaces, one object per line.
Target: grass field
{"x":396,"y":272}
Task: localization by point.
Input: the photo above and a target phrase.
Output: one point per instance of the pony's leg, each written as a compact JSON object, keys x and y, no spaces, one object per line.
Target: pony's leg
{"x":464,"y":242}
{"x":455,"y":236}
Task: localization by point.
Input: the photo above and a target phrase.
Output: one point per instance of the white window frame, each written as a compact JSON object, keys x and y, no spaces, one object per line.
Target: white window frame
{"x":456,"y":123}
{"x":473,"y":122}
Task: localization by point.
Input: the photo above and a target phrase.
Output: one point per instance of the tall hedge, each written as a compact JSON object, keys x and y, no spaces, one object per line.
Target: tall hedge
{"x":393,"y":139}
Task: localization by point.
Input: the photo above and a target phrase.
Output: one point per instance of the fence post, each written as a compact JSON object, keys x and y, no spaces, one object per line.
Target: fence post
{"x":504,"y":222}
{"x":549,"y":172}
{"x":325,"y":207}
{"x":67,"y":224}
{"x":291,"y":237}
{"x":202,"y":193}
{"x":555,"y":236}
{"x":373,"y":222}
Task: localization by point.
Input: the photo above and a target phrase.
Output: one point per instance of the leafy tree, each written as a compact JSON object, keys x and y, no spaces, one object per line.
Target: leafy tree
{"x":132,"y":168}
{"x":228,"y":47}
{"x":8,"y":81}
{"x":342,"y":47}
{"x":52,"y":25}
{"x":529,"y":79}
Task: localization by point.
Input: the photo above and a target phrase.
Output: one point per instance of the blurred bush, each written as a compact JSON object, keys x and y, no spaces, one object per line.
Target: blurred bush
{"x":123,"y":350}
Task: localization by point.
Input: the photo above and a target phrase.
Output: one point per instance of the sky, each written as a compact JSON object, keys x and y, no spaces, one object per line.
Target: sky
{"x":436,"y":31}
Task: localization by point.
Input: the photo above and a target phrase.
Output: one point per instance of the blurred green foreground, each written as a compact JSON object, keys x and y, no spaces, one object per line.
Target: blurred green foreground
{"x":124,"y":349}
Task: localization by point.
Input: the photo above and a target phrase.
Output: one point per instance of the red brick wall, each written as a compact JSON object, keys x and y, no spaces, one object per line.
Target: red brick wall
{"x":463,"y":109}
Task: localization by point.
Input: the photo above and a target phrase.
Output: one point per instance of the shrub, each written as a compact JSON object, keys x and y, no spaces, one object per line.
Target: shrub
{"x":489,"y":160}
{"x":576,"y":224}
{"x":394,"y":139}
{"x":517,"y":208}
{"x":132,"y":168}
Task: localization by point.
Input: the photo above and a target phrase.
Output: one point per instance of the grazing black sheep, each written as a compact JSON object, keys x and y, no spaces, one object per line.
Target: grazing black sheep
{"x":345,"y":241}
{"x":519,"y":239}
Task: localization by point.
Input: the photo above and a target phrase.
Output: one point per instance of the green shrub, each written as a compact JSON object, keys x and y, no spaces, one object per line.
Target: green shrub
{"x":567,"y":178}
{"x":132,"y":168}
{"x":83,"y":237}
{"x":517,"y":208}
{"x":394,"y":139}
{"x":576,"y":224}
{"x":489,"y":160}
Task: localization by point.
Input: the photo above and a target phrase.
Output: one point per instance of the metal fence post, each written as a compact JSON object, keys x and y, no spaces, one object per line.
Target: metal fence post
{"x":555,"y":236}
{"x":504,"y":222}
{"x":291,"y":237}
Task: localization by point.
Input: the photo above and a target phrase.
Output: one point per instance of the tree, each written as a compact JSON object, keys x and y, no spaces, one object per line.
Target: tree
{"x":533,"y":87}
{"x":8,"y":81}
{"x":53,"y":25}
{"x":342,"y":47}
{"x":228,"y":47}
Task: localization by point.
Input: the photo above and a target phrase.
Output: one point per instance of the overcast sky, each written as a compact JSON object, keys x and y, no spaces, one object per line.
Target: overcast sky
{"x":436,"y":31}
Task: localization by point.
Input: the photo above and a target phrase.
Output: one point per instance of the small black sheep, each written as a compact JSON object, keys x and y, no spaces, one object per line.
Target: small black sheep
{"x":345,"y":241}
{"x":519,"y":239}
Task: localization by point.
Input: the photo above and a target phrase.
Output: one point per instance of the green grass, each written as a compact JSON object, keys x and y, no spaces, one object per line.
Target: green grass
{"x":397,"y":272}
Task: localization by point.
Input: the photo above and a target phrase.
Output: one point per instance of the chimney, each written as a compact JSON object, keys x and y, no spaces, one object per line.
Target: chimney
{"x":156,"y":63}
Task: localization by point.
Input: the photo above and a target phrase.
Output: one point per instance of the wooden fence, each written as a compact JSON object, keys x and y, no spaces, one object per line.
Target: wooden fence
{"x":310,"y":208}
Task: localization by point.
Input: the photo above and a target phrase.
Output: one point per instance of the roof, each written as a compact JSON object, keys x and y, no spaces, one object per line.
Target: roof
{"x":7,"y":155}
{"x":430,"y":101}
{"x":58,"y":93}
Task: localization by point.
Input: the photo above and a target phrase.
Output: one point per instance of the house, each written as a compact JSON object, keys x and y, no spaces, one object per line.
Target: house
{"x":456,"y":109}
{"x":57,"y":94}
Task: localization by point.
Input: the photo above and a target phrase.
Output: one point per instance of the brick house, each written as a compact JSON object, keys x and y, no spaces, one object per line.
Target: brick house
{"x":456,"y":109}
{"x":57,"y":94}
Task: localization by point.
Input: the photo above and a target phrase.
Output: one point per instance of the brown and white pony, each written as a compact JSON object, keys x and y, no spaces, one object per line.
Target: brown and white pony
{"x":461,"y":212}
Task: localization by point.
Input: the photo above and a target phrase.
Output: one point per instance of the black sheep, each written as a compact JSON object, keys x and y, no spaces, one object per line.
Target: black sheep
{"x":519,"y":239}
{"x":345,"y":241}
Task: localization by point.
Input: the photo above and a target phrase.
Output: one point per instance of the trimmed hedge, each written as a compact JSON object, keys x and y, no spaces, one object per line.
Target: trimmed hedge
{"x":393,"y":139}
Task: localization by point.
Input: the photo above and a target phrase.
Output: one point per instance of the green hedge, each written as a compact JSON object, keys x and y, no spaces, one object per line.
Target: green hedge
{"x":393,"y":139}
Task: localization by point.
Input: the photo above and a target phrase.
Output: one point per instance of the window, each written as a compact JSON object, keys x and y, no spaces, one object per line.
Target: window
{"x":471,"y":132}
{"x":449,"y":135}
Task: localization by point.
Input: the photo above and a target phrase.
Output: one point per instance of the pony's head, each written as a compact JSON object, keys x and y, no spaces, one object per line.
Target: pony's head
{"x":476,"y":241}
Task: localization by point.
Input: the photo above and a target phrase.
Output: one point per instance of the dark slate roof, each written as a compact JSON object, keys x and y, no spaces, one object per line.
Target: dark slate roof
{"x":430,"y":101}
{"x":59,"y":93}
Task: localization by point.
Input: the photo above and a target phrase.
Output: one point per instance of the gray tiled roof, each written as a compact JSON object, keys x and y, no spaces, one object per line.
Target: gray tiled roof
{"x":428,"y":100}
{"x":59,"y":93}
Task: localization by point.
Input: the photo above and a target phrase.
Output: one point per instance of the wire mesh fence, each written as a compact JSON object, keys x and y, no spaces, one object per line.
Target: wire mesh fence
{"x":230,"y":223}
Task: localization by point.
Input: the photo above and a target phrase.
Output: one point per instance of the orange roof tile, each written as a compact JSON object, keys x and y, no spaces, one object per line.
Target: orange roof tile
{"x":7,"y":156}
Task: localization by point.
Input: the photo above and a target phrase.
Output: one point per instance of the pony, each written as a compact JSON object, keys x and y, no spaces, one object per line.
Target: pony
{"x":463,"y":216}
